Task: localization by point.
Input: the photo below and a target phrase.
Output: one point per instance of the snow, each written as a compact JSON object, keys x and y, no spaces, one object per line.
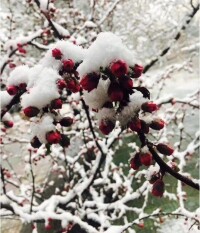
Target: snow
{"x":40,"y":127}
{"x":69,"y":51}
{"x":106,"y":48}
{"x":5,"y":99}
{"x":133,"y":107}
{"x":97,"y":97}
{"x":19,"y":75}
{"x":44,"y":91}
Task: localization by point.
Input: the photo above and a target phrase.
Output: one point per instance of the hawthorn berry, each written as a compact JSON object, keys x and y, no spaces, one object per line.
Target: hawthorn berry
{"x":90,"y":81}
{"x":35,"y":142}
{"x":135,"y":125}
{"x":66,"y":121}
{"x":115,"y":93}
{"x":165,"y":149}
{"x":68,"y":65}
{"x":137,"y":69}
{"x":149,"y":107}
{"x":56,"y":104}
{"x":61,"y":84}
{"x":65,"y":141}
{"x":73,"y":85}
{"x":119,"y":68}
{"x":106,"y":126}
{"x":53,"y":137}
{"x":146,"y":159}
{"x":57,"y":54}
{"x":8,"y":124}
{"x":127,"y":83}
{"x":135,"y":162}
{"x":157,"y":124}
{"x":12,"y":90}
{"x":31,"y":111}
{"x":158,"y":188}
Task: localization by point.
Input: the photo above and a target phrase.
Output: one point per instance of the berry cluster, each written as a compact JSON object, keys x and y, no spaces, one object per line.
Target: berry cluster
{"x":144,"y":157}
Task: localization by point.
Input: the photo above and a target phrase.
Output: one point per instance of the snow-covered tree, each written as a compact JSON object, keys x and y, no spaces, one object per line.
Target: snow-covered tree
{"x":93,"y":137}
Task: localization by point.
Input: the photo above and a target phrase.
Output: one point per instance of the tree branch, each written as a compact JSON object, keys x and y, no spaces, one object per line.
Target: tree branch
{"x":165,"y":51}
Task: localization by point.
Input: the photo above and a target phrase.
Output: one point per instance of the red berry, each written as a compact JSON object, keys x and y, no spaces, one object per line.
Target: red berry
{"x":127,"y":83}
{"x":146,"y":159}
{"x":35,"y":143}
{"x":22,"y":86}
{"x":61,"y":84}
{"x":157,"y":124}
{"x":90,"y":81}
{"x":31,"y":111}
{"x":149,"y":107}
{"x":12,"y":90}
{"x":106,"y":126}
{"x":21,"y":50}
{"x":135,"y":162}
{"x":66,"y":121}
{"x":65,"y":141}
{"x":53,"y":137}
{"x":73,"y":86}
{"x":119,"y":68}
{"x":68,"y":65}
{"x":48,"y":227}
{"x":158,"y":188}
{"x":12,"y":65}
{"x":115,"y":93}
{"x":137,"y":69}
{"x":56,"y":104}
{"x":8,"y":124}
{"x":57,"y":54}
{"x":135,"y":125}
{"x":165,"y":149}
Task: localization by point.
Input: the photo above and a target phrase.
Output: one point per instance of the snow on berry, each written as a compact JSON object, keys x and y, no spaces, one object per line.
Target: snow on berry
{"x":44,"y":91}
{"x":18,"y":76}
{"x":40,"y":128}
{"x":68,"y":50}
{"x":104,"y":50}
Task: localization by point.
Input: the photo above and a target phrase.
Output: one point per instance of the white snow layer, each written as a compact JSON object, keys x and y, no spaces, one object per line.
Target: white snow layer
{"x":105,"y":49}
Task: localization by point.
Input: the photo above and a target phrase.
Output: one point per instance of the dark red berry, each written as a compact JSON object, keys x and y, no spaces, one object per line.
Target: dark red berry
{"x":53,"y":137}
{"x":135,"y":125}
{"x":146,"y":159}
{"x":61,"y":84}
{"x":157,"y":124}
{"x":31,"y":111}
{"x":22,"y":86}
{"x":149,"y":107}
{"x":57,"y":54}
{"x":68,"y":65}
{"x":127,"y":83}
{"x":158,"y":188}
{"x":137,"y":69}
{"x":90,"y":81}
{"x":106,"y":126}
{"x":115,"y":93}
{"x":73,"y":86}
{"x":66,"y":121}
{"x":8,"y":124}
{"x":65,"y":141}
{"x":165,"y":149}
{"x":12,"y":90}
{"x":135,"y":162}
{"x":56,"y":104}
{"x":35,"y":143}
{"x":119,"y":68}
